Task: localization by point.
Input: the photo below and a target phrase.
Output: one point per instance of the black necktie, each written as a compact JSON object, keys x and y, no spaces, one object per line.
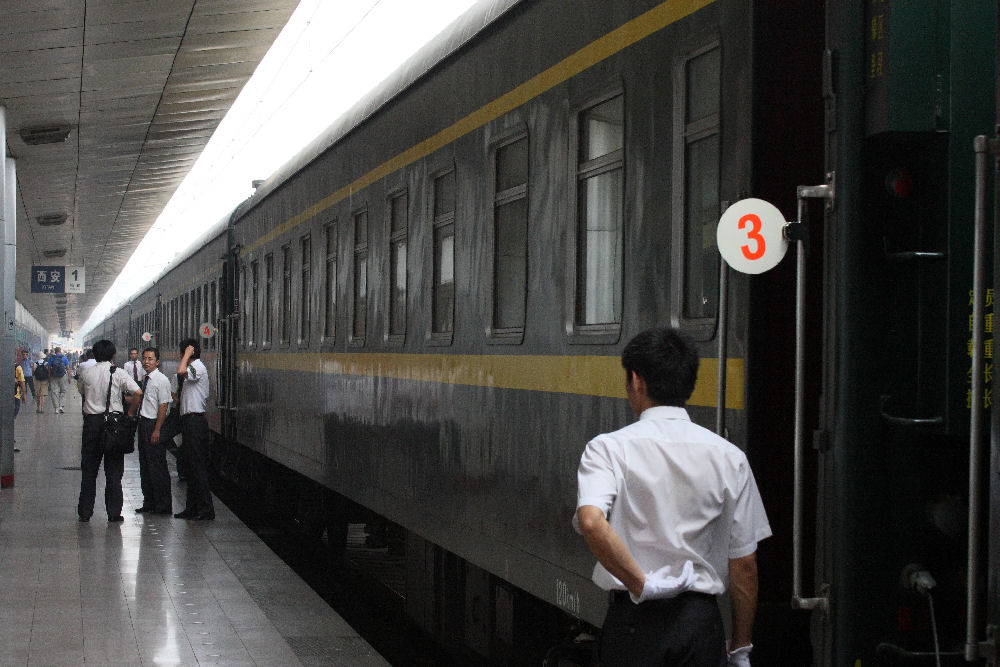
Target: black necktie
{"x":135,"y":374}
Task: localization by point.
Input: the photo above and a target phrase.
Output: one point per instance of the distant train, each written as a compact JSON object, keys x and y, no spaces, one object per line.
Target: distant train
{"x":421,"y":316}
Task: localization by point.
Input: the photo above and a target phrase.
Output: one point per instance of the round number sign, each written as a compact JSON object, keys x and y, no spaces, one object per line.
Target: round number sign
{"x":750,"y":236}
{"x":146,"y":337}
{"x":207,"y":330}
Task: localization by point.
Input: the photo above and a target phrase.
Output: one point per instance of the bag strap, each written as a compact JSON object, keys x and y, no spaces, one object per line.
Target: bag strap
{"x":107,"y":402}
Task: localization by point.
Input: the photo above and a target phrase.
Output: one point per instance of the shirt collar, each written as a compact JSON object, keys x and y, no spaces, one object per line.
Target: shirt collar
{"x":664,"y":412}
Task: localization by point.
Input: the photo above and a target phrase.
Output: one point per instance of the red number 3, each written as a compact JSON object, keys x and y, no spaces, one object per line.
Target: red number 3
{"x":753,"y":235}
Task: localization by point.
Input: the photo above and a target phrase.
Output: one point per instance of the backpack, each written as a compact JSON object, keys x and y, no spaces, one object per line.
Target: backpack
{"x":56,"y":366}
{"x":41,"y":372}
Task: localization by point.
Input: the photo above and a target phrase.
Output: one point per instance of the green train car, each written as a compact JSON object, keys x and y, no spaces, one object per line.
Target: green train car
{"x":419,"y":318}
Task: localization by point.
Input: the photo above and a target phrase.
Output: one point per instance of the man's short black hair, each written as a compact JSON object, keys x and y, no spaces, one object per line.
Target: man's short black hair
{"x":104,"y":350}
{"x":133,"y":349}
{"x":193,"y":342}
{"x":154,"y":350}
{"x":666,"y":360}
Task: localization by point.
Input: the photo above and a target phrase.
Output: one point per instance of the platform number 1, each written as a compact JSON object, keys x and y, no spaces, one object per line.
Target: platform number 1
{"x":750,"y":236}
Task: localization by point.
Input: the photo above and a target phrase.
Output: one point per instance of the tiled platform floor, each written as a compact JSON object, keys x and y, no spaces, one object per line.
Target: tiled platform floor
{"x":152,"y":590}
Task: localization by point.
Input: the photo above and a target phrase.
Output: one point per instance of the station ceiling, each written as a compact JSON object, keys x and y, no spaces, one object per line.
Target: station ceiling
{"x":138,"y":87}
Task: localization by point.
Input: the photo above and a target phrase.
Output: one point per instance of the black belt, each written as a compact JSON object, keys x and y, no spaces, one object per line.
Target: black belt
{"x":623,"y":596}
{"x":147,"y":419}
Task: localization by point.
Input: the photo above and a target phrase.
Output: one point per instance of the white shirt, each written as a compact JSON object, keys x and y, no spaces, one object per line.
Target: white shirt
{"x":156,"y":393}
{"x":134,"y":368}
{"x":675,"y":492}
{"x":94,"y":387}
{"x":194,"y":393}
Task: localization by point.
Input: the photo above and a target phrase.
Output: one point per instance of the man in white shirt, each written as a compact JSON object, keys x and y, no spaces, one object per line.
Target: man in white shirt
{"x":97,"y":399}
{"x":193,"y":397}
{"x":134,"y":366}
{"x":673,"y":515}
{"x":154,"y":476}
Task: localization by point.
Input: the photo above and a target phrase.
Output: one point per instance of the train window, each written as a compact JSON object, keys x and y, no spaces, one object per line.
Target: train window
{"x":286,"y":293}
{"x":266,"y":335}
{"x":212,"y":314}
{"x":330,"y":300}
{"x":600,"y":137}
{"x":510,"y":239}
{"x":443,"y":275}
{"x":696,"y":207}
{"x":305,"y":245}
{"x":254,"y":285}
{"x":398,"y":226}
{"x":244,"y":301}
{"x":359,"y":295}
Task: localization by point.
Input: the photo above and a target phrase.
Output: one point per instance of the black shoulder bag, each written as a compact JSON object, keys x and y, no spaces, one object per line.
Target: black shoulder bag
{"x":119,"y":428}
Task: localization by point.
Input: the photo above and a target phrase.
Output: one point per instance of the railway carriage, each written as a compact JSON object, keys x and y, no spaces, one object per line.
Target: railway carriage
{"x":421,"y":316}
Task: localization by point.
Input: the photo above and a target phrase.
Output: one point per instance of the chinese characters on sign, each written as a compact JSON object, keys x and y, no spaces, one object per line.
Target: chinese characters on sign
{"x":57,"y":279}
{"x":987,"y":354}
{"x":877,"y":39}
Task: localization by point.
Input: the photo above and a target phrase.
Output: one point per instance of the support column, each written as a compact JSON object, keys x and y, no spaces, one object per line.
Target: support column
{"x":8,"y":226}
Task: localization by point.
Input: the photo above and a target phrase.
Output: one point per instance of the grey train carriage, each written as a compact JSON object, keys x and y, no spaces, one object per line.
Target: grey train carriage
{"x":420,"y":316}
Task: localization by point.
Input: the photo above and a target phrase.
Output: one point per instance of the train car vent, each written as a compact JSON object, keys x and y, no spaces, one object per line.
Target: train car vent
{"x":51,"y":254}
{"x":51,"y":134}
{"x":51,"y":219}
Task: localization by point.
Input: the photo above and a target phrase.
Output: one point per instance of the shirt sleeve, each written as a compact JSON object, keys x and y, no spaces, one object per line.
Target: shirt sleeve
{"x":195,"y":372}
{"x":750,"y":524}
{"x":126,"y":380}
{"x":597,"y":484}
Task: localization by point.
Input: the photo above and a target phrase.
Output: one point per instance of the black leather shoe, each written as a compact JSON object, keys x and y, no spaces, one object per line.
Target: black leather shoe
{"x":115,"y":519}
{"x":140,"y":510}
{"x":184,"y":515}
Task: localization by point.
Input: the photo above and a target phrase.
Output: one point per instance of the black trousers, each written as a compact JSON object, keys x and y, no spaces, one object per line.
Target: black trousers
{"x":91,"y":454}
{"x":686,"y":630}
{"x":194,"y":428}
{"x":154,"y":476}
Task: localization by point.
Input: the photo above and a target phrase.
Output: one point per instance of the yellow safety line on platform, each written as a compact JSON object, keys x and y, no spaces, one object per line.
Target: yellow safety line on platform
{"x":615,"y":41}
{"x":585,"y":375}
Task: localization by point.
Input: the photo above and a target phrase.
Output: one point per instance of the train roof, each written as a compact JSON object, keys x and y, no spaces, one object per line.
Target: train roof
{"x":450,"y":40}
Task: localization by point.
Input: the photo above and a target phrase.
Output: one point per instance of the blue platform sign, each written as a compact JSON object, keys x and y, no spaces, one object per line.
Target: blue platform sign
{"x":57,"y":279}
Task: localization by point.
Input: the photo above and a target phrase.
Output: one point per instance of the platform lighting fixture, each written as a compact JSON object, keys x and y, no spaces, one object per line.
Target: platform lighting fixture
{"x":48,"y":134}
{"x":51,"y":219}
{"x":52,"y":254}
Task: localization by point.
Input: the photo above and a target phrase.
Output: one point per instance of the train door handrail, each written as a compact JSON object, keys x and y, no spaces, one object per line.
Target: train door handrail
{"x":974,"y":649}
{"x":803,"y":193}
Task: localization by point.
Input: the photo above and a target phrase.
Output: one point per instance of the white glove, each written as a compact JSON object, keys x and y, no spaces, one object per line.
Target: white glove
{"x":740,"y":657}
{"x":658,"y":586}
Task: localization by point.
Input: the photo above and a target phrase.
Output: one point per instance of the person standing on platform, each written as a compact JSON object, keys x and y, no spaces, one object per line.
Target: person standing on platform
{"x":192,"y":379}
{"x":672,"y":513}
{"x":134,"y":366}
{"x":41,"y":381}
{"x":94,"y":382}
{"x":58,"y":366}
{"x":28,"y":370}
{"x":153,"y":473}
{"x":20,"y":388}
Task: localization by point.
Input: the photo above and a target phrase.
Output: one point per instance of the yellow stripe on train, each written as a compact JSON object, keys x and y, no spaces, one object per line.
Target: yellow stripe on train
{"x":584,"y":375}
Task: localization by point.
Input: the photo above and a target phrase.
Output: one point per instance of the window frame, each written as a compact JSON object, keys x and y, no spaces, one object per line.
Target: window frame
{"x":684,"y":134}
{"x":603,"y":333}
{"x":396,"y":339}
{"x":285,"y":316}
{"x":331,"y":256}
{"x":436,"y":223}
{"x":267,"y":303}
{"x":359,"y":249}
{"x":305,"y":309}
{"x":506,"y":335}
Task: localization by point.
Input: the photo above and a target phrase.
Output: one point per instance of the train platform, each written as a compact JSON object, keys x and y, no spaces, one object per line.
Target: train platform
{"x":152,"y":590}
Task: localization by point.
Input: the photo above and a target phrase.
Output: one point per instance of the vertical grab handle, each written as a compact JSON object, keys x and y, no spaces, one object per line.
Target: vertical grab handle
{"x":799,"y":235}
{"x":982,"y":147}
